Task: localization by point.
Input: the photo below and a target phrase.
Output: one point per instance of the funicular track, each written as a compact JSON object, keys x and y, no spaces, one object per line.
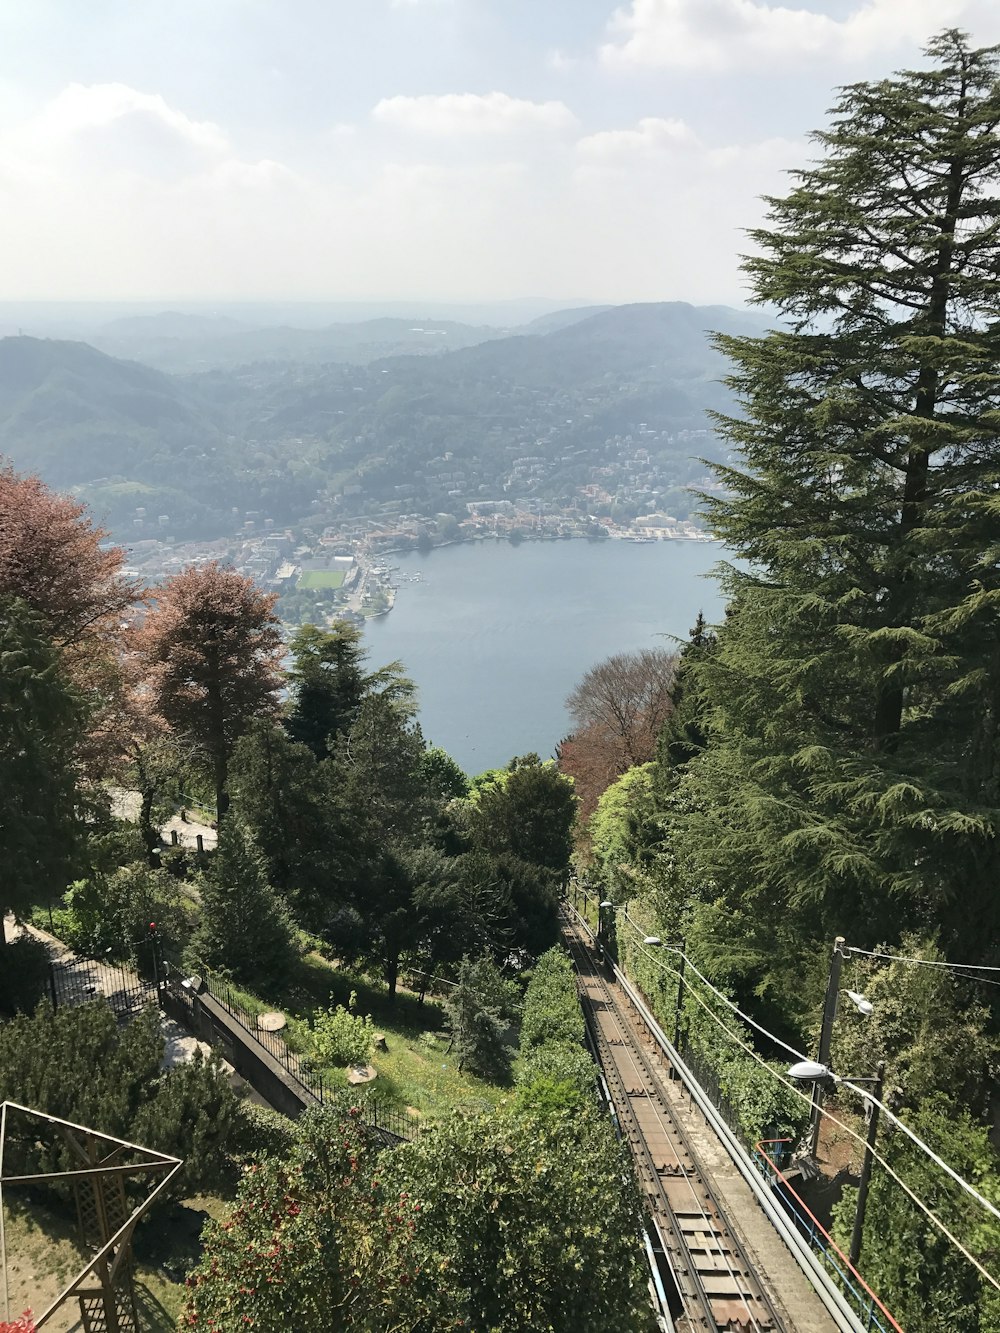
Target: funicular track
{"x":717,"y":1289}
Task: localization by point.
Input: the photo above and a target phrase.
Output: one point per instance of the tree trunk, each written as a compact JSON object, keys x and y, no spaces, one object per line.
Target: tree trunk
{"x":888,"y":718}
{"x":149,"y":835}
{"x":391,"y":971}
{"x":221,"y":795}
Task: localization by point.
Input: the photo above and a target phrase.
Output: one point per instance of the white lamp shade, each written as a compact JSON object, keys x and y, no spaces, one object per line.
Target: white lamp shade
{"x":863,"y":1005}
{"x":809,"y":1071}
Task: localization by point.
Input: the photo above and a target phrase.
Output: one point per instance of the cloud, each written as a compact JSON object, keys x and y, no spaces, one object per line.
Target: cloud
{"x":93,"y":129}
{"x":723,"y":34}
{"x":651,"y":135}
{"x":560,"y":61}
{"x":463,"y":114}
{"x":645,"y":211}
{"x":83,"y":108}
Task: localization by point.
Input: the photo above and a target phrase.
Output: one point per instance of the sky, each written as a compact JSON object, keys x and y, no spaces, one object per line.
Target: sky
{"x":446,"y":150}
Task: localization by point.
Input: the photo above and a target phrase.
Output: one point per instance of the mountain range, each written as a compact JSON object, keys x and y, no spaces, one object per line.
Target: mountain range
{"x":283,"y":432}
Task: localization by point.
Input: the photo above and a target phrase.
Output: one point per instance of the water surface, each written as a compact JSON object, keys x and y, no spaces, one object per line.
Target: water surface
{"x":495,"y":636}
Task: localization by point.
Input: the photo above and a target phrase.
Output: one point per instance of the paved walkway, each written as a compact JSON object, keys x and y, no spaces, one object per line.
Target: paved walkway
{"x":125,"y":804}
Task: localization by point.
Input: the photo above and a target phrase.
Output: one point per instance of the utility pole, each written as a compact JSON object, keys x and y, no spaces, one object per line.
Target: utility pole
{"x":825,"y":1036}
{"x":679,"y":1010}
{"x":866,"y":1166}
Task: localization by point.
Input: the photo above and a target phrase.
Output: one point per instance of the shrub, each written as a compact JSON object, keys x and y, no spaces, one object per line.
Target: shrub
{"x":110,"y":915}
{"x":342,"y":1038}
{"x":560,"y":1061}
{"x":24,"y":979}
{"x":551,"y":1007}
{"x":261,"y":1132}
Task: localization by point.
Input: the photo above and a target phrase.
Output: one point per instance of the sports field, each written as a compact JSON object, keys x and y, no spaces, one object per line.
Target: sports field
{"x":321,"y":578}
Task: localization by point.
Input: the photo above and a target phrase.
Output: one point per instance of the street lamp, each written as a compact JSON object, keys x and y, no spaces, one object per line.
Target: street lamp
{"x":820,"y":1075}
{"x":655,"y":942}
{"x":860,"y":1002}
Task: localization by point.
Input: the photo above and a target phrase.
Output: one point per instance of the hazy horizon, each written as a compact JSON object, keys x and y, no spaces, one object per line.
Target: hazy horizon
{"x":376,"y":151}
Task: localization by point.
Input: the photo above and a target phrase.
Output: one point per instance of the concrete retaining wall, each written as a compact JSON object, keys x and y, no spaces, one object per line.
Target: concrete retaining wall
{"x":208,"y":1020}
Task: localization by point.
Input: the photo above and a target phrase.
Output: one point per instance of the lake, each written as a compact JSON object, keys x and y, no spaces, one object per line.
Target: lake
{"x":495,"y":635}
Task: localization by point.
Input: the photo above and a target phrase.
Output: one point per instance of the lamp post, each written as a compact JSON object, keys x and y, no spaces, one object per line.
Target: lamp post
{"x":821,"y":1076}
{"x":605,"y":906}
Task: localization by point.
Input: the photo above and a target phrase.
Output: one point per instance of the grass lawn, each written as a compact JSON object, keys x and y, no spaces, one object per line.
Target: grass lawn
{"x":415,"y":1071}
{"x":321,"y":578}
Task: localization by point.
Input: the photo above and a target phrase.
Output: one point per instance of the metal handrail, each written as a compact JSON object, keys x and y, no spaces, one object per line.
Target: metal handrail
{"x":846,"y":1272}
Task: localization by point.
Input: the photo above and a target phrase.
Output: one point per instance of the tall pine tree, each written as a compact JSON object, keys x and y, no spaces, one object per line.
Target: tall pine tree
{"x":854,"y":773}
{"x":244,"y":927}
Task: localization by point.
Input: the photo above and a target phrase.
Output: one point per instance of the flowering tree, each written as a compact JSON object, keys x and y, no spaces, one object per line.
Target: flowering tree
{"x":210,"y":649}
{"x":53,"y":557}
{"x":58,"y":563}
{"x":313,"y":1241}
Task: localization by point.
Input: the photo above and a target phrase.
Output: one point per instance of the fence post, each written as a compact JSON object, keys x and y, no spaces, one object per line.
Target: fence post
{"x":200,"y":841}
{"x":174,"y":840}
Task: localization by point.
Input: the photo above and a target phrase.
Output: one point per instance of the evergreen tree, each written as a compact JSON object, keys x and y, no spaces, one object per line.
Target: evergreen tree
{"x":302,"y":820}
{"x":855,"y":756}
{"x":525,"y":810}
{"x":80,"y":1064}
{"x":684,"y":731}
{"x":327,"y":684}
{"x":41,"y":716}
{"x":244,"y":927}
{"x":479,"y":1009}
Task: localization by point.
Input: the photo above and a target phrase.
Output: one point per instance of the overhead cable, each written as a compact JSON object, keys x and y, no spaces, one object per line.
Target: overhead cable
{"x":960,"y":969}
{"x":890,"y":1114}
{"x":876,"y":1155}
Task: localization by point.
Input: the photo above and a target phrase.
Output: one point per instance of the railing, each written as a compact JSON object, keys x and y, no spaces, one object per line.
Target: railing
{"x":866,"y":1305}
{"x":74,"y":980}
{"x":707,"y":1076}
{"x":376,"y":1112}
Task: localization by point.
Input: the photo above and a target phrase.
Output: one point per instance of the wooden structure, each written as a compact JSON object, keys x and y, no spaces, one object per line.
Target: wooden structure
{"x":99,"y":1167}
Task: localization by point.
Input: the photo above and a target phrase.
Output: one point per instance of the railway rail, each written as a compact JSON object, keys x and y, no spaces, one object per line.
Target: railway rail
{"x":711,"y":1284}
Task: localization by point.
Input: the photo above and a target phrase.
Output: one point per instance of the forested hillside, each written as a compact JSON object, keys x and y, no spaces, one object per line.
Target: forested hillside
{"x":787,"y":833}
{"x":286,"y":438}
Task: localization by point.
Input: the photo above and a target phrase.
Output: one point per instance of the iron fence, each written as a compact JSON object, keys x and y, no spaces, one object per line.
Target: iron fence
{"x":389,"y":1120}
{"x":870,"y":1311}
{"x":74,"y":981}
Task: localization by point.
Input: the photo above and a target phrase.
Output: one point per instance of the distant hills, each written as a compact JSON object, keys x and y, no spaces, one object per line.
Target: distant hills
{"x":283,"y":434}
{"x":185,"y":344}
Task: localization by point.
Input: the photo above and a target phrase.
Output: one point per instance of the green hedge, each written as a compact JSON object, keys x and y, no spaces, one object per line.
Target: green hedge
{"x":554,"y":1071}
{"x":552,"y":1010}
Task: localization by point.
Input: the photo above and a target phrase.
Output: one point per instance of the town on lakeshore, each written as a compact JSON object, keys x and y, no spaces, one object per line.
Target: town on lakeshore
{"x":337,"y":569}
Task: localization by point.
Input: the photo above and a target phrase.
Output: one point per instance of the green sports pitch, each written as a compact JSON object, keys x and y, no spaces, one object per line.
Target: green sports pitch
{"x":321,"y":578}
